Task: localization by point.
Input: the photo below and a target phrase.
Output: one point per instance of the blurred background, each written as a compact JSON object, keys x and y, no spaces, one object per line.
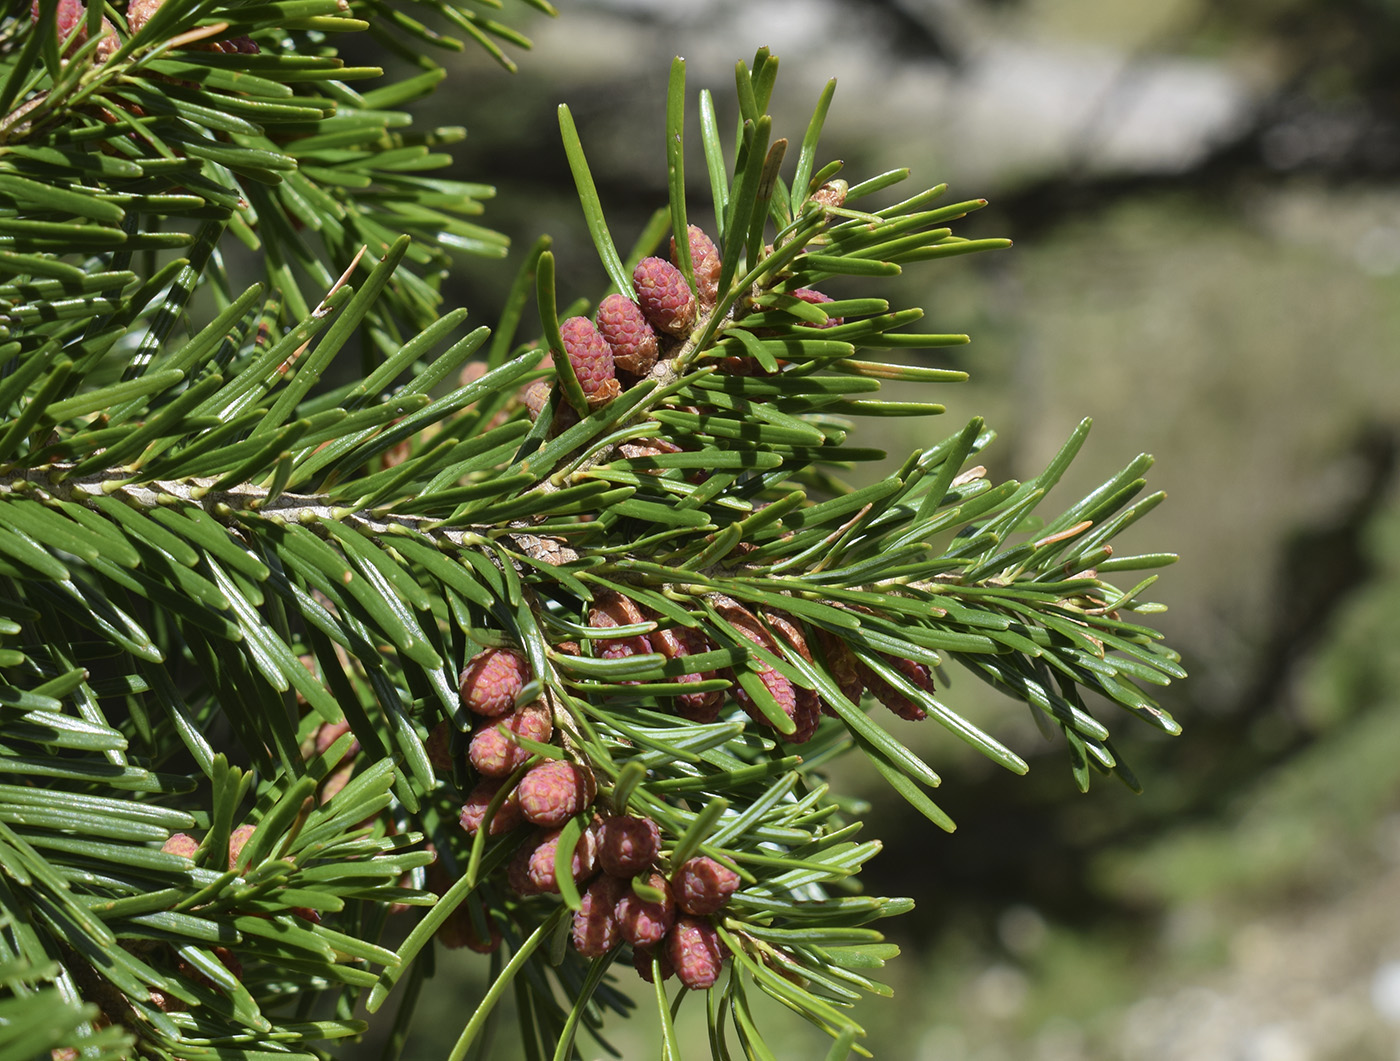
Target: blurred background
{"x":1203,"y":198}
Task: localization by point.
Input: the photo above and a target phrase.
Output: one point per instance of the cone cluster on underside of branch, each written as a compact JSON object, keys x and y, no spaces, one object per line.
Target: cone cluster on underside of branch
{"x":667,"y":916}
{"x":526,"y":778}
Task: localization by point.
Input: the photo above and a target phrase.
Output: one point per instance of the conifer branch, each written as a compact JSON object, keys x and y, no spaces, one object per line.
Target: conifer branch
{"x":554,"y":641}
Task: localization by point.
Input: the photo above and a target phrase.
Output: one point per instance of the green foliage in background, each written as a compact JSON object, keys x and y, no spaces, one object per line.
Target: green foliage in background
{"x":214,"y":540}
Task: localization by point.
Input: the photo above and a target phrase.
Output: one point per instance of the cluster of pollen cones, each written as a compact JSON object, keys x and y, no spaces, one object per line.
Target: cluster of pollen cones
{"x":628,"y":336}
{"x":617,"y":861}
{"x":530,"y":783}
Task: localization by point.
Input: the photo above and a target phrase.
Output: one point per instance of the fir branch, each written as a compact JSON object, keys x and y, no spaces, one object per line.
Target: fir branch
{"x":447,"y":595}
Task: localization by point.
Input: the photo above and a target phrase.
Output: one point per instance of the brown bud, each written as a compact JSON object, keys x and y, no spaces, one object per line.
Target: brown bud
{"x":536,"y":397}
{"x":648,"y":447}
{"x":832,"y":193}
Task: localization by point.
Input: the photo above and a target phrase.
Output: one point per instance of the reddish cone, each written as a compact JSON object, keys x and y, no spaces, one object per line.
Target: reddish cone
{"x":673,"y":644}
{"x":696,"y":951}
{"x":531,"y":870}
{"x":554,"y":791}
{"x":595,"y":923}
{"x":627,"y":845}
{"x":494,"y":754}
{"x":705,"y":264}
{"x":916,"y":673}
{"x":507,"y":815}
{"x":641,"y":961}
{"x":591,"y":359}
{"x":664,"y":296}
{"x":491,"y":681}
{"x":625,"y":329}
{"x":613,"y":609}
{"x":182,"y":844}
{"x":702,"y":886}
{"x":645,"y":924}
{"x":816,"y":298}
{"x":843,"y":667}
